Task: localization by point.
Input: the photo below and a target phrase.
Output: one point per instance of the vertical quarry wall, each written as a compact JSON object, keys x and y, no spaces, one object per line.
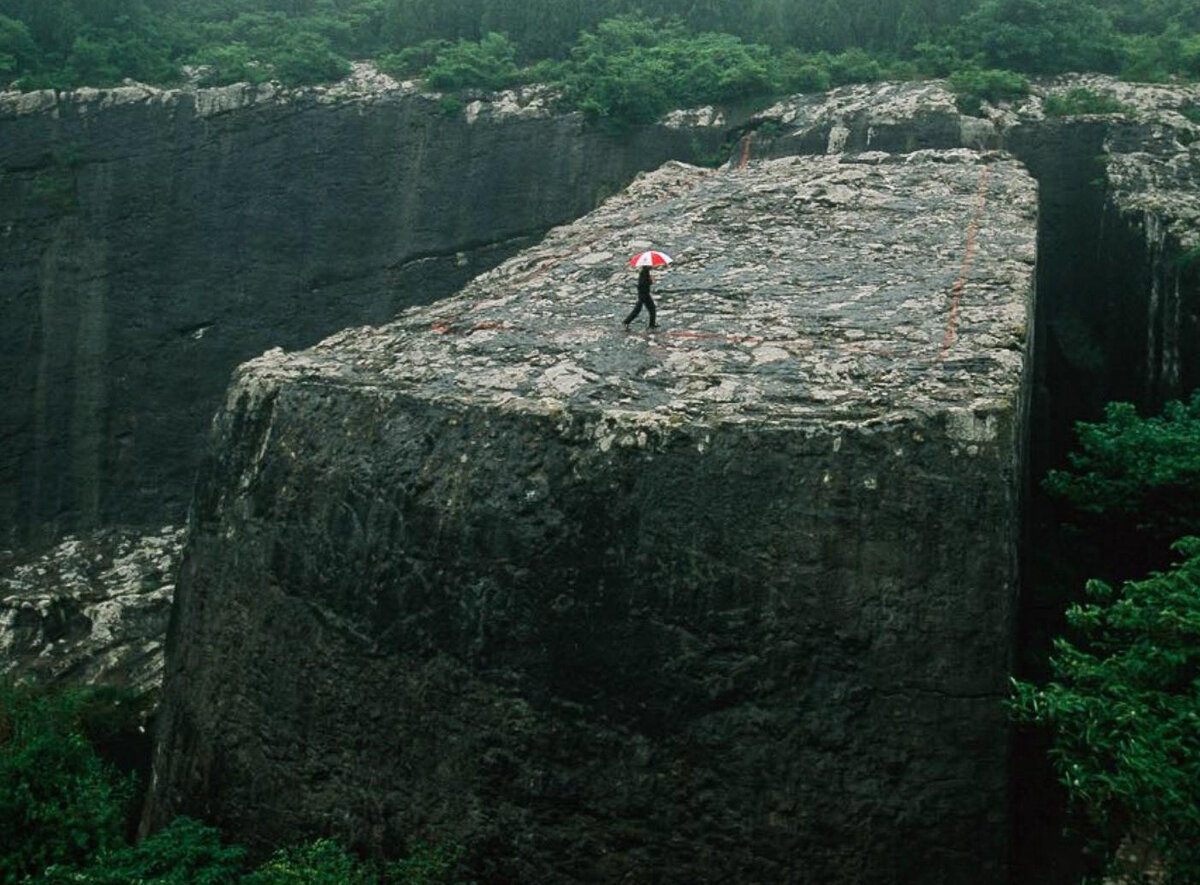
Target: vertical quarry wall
{"x":727,"y":601}
{"x":150,"y":241}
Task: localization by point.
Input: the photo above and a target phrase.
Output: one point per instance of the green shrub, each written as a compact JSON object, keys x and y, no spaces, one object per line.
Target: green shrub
{"x":426,"y":865}
{"x":854,"y":66}
{"x":186,"y":852}
{"x":325,"y":862}
{"x":320,"y":862}
{"x":1123,"y":701}
{"x":973,"y":86}
{"x":1039,"y":36}
{"x":486,"y":64}
{"x":1124,"y":711}
{"x":59,"y":803}
{"x":412,"y":61}
{"x":305,"y":57}
{"x":1134,"y":483}
{"x":230,"y":63}
{"x":632,"y":69}
{"x":1082,"y":101}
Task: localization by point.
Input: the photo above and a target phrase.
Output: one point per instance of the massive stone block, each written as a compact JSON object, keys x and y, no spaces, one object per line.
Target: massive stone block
{"x":728,"y":601}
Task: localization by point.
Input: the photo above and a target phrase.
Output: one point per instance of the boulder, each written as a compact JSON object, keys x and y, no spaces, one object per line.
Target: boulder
{"x":730,"y":600}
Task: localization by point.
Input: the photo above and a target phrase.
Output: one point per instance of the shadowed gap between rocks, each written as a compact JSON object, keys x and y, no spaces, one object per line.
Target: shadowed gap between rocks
{"x":1100,"y":336}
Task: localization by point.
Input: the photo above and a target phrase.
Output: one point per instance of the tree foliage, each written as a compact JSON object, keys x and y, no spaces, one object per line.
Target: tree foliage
{"x":748,"y":46}
{"x":1123,"y":702}
{"x":1124,"y":708}
{"x":65,"y":812}
{"x":59,"y":802}
{"x":1134,"y":485}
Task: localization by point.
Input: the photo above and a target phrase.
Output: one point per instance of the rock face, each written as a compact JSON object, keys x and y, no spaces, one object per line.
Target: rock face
{"x":92,"y":609}
{"x":730,"y":601}
{"x":1119,"y":212}
{"x":150,"y":241}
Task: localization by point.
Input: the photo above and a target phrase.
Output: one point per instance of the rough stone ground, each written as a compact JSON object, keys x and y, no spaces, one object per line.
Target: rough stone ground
{"x":1151,"y":147}
{"x":770,"y":313}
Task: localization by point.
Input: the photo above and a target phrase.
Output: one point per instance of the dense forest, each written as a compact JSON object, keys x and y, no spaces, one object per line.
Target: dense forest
{"x":620,"y":59}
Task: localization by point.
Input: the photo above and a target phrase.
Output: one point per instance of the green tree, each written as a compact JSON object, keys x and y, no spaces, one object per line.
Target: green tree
{"x":486,"y":64}
{"x":59,"y":803}
{"x":1122,"y":704}
{"x":18,"y":53}
{"x":186,"y":852}
{"x":1124,"y":710}
{"x":1133,"y":485}
{"x":1039,"y":36}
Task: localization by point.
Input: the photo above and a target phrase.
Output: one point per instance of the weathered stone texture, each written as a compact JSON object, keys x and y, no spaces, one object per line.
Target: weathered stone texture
{"x":1119,"y":298}
{"x":730,"y":601}
{"x":92,"y":609}
{"x":151,"y":240}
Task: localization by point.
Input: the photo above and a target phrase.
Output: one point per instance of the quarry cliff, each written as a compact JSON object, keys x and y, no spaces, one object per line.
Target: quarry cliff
{"x":153,"y":239}
{"x":732,"y":598}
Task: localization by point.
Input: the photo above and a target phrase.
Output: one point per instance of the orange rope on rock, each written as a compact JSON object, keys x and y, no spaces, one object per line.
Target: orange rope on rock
{"x":968,"y":256}
{"x":746,"y":139}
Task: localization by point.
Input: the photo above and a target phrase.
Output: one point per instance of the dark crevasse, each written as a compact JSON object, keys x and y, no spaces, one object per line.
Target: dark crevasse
{"x":1117,"y":320}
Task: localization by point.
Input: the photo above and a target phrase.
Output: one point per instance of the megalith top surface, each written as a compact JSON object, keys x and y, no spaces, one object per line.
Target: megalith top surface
{"x":803,"y":289}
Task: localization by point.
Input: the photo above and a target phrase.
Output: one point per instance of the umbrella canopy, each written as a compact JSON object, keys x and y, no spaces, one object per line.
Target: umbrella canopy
{"x":650,"y":258}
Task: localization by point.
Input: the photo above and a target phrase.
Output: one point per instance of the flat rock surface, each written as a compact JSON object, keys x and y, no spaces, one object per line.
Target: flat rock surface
{"x":804,"y":289}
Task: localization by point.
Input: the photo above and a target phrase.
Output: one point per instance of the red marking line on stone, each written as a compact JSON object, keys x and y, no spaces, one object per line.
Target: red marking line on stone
{"x":968,"y":256}
{"x":745,"y":150}
{"x":446,"y":328}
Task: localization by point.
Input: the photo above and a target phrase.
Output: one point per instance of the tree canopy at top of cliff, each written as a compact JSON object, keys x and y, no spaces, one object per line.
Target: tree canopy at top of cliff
{"x":614,"y":58}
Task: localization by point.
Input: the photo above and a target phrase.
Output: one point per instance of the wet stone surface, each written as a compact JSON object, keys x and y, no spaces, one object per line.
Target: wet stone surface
{"x":727,"y":601}
{"x":823,"y":290}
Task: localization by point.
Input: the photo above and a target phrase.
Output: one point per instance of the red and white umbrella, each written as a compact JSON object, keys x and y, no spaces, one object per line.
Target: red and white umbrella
{"x":650,"y":258}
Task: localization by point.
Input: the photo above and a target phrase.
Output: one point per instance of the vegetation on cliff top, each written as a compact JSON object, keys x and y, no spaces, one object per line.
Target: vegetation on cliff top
{"x":1123,"y":702}
{"x":617,"y":59}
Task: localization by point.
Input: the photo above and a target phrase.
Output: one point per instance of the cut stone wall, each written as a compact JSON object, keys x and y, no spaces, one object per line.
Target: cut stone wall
{"x":152,"y":240}
{"x":730,"y":600}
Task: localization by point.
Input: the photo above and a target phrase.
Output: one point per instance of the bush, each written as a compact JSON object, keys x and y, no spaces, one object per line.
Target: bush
{"x":413,"y":60}
{"x":59,"y":803}
{"x":231,"y":63}
{"x":1039,"y":36}
{"x":64,"y":812}
{"x":304,"y":58}
{"x":184,"y":853}
{"x":633,"y":70}
{"x":1134,"y":484}
{"x":1082,"y":101}
{"x":1123,"y":702}
{"x":486,"y":64}
{"x":1124,"y":710}
{"x":973,"y":86}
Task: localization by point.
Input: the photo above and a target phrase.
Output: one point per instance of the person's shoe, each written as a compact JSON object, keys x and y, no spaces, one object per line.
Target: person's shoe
{"x":654,"y":325}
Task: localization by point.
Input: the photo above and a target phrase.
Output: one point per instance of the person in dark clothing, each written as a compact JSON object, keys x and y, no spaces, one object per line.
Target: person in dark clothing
{"x":643,"y":284}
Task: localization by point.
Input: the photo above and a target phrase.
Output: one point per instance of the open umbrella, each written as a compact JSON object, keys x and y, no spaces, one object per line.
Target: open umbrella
{"x":650,"y":258}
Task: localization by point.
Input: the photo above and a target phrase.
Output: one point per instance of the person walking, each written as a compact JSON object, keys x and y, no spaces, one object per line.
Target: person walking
{"x":643,"y":287}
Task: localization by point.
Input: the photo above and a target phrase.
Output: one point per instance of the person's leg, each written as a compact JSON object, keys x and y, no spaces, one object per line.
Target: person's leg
{"x":650,"y":307}
{"x":637,"y":308}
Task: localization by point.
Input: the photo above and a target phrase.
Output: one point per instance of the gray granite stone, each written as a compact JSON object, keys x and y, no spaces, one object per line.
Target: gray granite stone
{"x":727,"y":601}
